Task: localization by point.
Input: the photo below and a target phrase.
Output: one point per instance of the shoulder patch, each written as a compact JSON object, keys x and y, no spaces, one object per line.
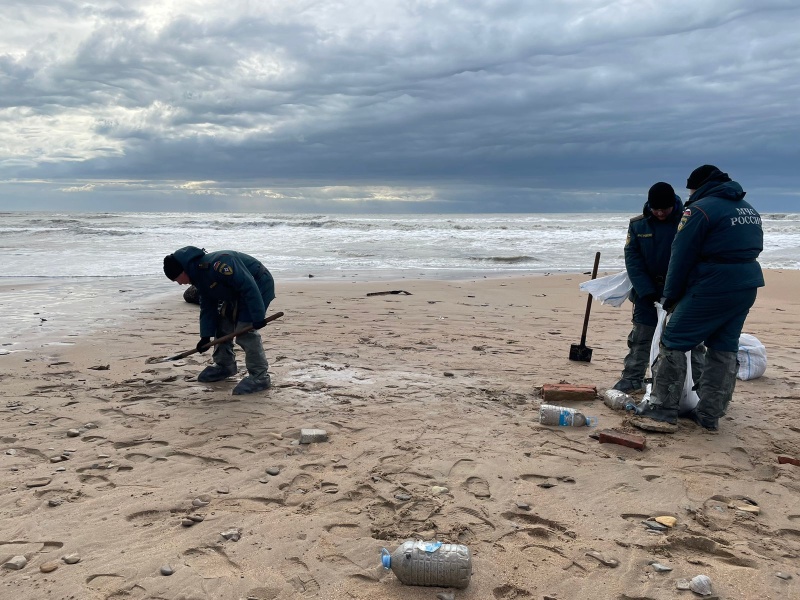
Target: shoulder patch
{"x":222,"y":268}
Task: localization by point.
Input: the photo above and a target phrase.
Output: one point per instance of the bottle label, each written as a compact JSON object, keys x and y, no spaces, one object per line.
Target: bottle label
{"x":428,"y":547}
{"x":565,"y":417}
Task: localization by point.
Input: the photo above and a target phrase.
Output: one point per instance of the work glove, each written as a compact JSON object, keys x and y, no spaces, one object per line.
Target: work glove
{"x":669,"y":305}
{"x":202,"y":345}
{"x":259,"y":324}
{"x":649,"y":299}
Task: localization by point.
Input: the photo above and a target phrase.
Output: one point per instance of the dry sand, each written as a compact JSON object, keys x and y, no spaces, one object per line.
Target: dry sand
{"x":436,"y":388}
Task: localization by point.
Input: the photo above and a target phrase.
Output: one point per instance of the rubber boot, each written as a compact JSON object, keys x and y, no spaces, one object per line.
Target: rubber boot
{"x":660,"y":413}
{"x":716,"y":388}
{"x":249,"y":385}
{"x":217,"y":373}
{"x":640,"y":339}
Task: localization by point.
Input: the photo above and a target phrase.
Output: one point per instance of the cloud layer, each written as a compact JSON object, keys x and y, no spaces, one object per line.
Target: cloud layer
{"x":422,"y":104}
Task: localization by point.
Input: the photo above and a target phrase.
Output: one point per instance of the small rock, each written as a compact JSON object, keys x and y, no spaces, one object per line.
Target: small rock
{"x":668,"y":521}
{"x":11,"y":452}
{"x":782,"y":575}
{"x":313,"y":436}
{"x":273,"y":471}
{"x":38,"y":482}
{"x":654,"y":526}
{"x":61,"y":469}
{"x":15,"y":563}
{"x":683,"y":584}
{"x":403,"y":497}
{"x":523,"y":506}
{"x":223,"y":490}
{"x":166,"y":570}
{"x":73,"y":432}
{"x":660,"y":568}
{"x":446,"y":596}
{"x":197,"y":518}
{"x":200,"y":502}
{"x":103,"y":456}
{"x":187,"y":522}
{"x":233,"y":535}
{"x":71,"y":559}
{"x":55,"y":502}
{"x":438,"y":490}
{"x":449,"y":374}
{"x":48,"y":567}
{"x":56,"y":459}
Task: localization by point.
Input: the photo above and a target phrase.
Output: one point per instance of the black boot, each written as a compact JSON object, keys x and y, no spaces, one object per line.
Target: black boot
{"x":217,"y":373}
{"x":248,"y":385}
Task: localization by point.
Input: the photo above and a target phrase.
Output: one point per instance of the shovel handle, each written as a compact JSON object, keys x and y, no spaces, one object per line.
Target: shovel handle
{"x":589,"y":301}
{"x":224,"y":338}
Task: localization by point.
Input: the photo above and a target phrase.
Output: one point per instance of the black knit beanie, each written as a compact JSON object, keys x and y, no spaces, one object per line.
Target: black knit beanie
{"x":661,"y":195}
{"x":172,"y":267}
{"x":701,"y":174}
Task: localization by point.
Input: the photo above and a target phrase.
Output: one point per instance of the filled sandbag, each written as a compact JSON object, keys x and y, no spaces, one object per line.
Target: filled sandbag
{"x":752,"y":357}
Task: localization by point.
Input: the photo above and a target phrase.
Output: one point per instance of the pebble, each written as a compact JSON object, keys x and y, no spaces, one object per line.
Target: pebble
{"x":660,"y":568}
{"x":782,"y":575}
{"x":11,"y":452}
{"x":103,"y":456}
{"x":313,"y":436}
{"x":48,"y":567}
{"x":654,"y":526}
{"x":223,"y":490}
{"x":273,"y":471}
{"x":403,"y":497}
{"x":231,"y":534}
{"x":446,"y":596}
{"x":523,"y":506}
{"x":166,"y":570}
{"x":197,"y":518}
{"x":186,"y":522}
{"x":668,"y":521}
{"x":61,"y":469}
{"x":438,"y":490}
{"x":56,"y":459}
{"x":71,"y":559}
{"x":38,"y":482}
{"x":73,"y":432}
{"x":16,"y":563}
{"x":200,"y":502}
{"x":55,"y":502}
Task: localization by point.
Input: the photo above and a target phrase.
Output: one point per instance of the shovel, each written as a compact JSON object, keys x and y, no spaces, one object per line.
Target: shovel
{"x":224,"y":338}
{"x":581,"y":352}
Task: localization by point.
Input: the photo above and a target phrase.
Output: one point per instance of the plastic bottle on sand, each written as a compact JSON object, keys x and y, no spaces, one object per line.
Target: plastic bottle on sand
{"x":616,"y":399}
{"x":430,"y":563}
{"x":561,"y":415}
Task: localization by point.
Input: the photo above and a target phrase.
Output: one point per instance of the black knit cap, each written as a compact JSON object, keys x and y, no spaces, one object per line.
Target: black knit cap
{"x":661,"y":195}
{"x":172,"y":267}
{"x":700,"y":175}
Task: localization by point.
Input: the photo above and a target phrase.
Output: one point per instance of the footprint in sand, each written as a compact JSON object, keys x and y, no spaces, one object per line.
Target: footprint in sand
{"x":478,"y":487}
{"x":297,"y":574}
{"x":211,"y":562}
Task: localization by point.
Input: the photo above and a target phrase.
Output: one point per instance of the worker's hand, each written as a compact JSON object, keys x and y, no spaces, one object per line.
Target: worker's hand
{"x":259,"y":324}
{"x":669,"y":305}
{"x":650,"y":299}
{"x":202,"y":345}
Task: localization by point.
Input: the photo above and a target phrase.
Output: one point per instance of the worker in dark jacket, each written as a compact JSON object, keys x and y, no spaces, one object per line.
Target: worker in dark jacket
{"x":711,"y":284}
{"x":235,"y":291}
{"x":647,"y":251}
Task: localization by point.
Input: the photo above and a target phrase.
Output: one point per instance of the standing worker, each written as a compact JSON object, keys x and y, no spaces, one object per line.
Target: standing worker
{"x":711,"y":284}
{"x":647,"y":251}
{"x":235,"y":291}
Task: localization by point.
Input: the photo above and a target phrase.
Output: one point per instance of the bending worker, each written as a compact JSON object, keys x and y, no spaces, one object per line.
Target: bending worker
{"x":711,"y":284}
{"x":235,"y":291}
{"x":647,"y":250}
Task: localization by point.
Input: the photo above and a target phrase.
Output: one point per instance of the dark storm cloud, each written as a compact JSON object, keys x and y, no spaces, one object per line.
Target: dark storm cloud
{"x":581,"y":105}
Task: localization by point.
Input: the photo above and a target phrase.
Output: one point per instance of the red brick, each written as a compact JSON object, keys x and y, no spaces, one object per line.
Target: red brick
{"x":555,"y":393}
{"x":611,"y":436}
{"x":789,"y":460}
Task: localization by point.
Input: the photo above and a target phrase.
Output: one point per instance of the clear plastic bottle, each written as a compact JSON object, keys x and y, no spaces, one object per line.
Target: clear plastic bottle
{"x":616,"y":399}
{"x":550,"y":414}
{"x":430,"y":563}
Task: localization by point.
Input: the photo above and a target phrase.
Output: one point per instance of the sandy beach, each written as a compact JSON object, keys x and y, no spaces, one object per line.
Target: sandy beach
{"x":104,"y":458}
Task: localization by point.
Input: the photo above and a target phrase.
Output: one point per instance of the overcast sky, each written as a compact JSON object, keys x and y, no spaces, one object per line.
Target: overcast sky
{"x":393,"y":105}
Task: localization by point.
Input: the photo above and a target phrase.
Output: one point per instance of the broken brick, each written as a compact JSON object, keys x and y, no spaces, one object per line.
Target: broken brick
{"x":784,"y":460}
{"x":555,"y":393}
{"x":631,"y":440}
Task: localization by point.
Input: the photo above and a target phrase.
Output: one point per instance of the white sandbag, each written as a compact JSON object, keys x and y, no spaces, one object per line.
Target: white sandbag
{"x":752,"y":357}
{"x":611,"y":289}
{"x":689,"y":397}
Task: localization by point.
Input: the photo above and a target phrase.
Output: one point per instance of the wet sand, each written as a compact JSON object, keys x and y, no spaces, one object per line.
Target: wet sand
{"x":439,"y":388}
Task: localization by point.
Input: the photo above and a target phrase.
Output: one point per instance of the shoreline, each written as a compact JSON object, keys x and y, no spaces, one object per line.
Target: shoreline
{"x":430,"y":401}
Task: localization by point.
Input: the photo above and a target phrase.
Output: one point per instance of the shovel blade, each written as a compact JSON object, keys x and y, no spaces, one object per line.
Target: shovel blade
{"x":580,"y":353}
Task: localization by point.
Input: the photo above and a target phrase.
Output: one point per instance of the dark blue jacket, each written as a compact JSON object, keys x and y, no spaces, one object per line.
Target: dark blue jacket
{"x":718,"y":241}
{"x":647,"y":250}
{"x":227,"y":276}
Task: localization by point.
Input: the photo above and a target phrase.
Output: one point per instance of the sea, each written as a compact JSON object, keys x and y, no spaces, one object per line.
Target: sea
{"x":67,"y":274}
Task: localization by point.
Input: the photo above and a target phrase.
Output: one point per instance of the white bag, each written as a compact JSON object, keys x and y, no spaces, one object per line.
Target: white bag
{"x":689,"y":397}
{"x":752,"y":357}
{"x":611,"y":289}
